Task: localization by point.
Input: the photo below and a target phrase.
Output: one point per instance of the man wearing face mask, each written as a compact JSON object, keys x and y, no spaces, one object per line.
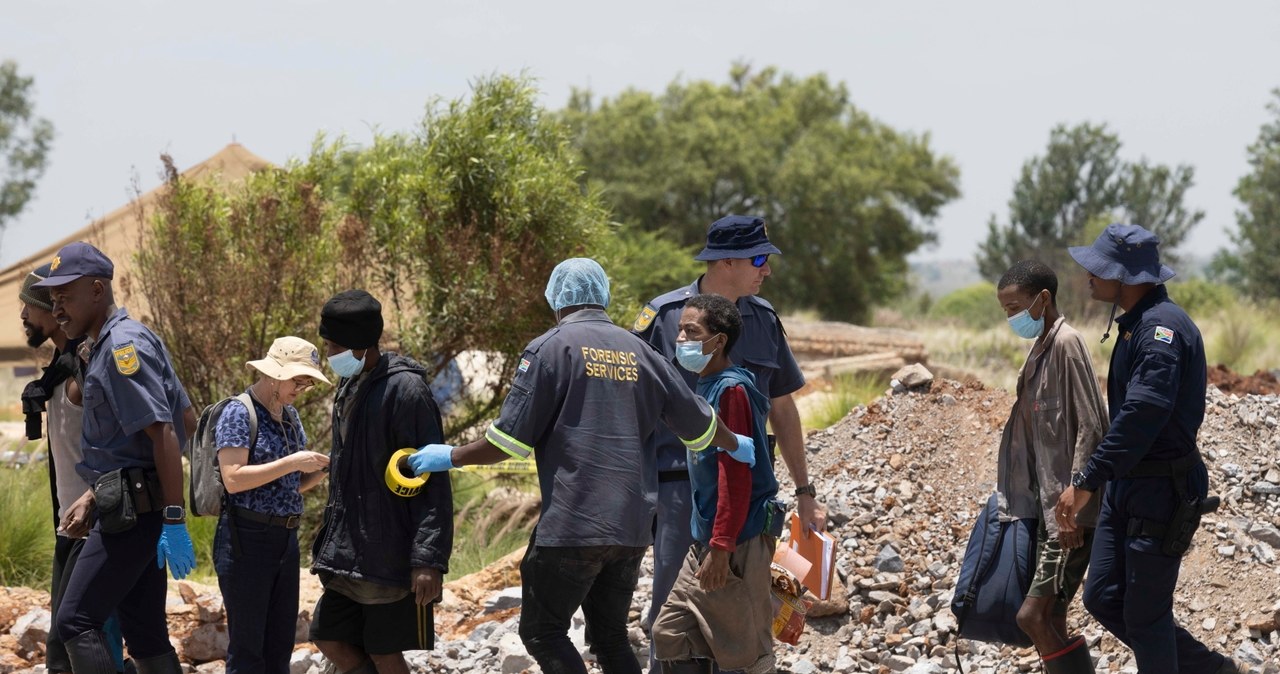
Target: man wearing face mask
{"x":585,"y":396}
{"x":737,"y":257}
{"x":1057,"y":420}
{"x":380,"y":556}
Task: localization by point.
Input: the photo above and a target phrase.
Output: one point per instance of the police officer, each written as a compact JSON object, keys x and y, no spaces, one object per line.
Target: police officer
{"x":57,"y":391}
{"x":737,"y":256}
{"x":1148,"y":460}
{"x":585,"y":395}
{"x":135,"y":418}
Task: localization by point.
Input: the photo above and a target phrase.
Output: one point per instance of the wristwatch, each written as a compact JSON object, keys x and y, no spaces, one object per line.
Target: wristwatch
{"x":1078,"y":481}
{"x":807,"y":489}
{"x":175,"y":513}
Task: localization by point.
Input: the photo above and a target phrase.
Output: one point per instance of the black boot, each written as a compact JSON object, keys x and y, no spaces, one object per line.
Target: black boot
{"x":366,"y":667}
{"x":88,"y":654}
{"x":165,"y":663}
{"x":1073,"y":659}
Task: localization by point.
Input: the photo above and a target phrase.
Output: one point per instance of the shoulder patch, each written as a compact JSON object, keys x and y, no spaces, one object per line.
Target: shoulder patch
{"x":126,"y":359}
{"x":1163,"y":334}
{"x":645,"y":319}
{"x":524,"y":365}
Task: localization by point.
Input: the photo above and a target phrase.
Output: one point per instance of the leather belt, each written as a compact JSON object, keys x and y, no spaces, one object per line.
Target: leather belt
{"x":286,"y":521}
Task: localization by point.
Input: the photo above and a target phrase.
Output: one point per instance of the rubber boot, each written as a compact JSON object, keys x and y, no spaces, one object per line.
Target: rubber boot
{"x":89,"y":654}
{"x":165,"y":663}
{"x":686,"y":666}
{"x":1073,"y":659}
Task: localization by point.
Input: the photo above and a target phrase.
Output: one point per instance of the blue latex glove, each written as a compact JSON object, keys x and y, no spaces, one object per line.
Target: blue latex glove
{"x":432,"y":459}
{"x":746,"y":451}
{"x":175,"y":548}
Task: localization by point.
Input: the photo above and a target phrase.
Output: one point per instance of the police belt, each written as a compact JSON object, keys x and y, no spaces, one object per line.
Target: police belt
{"x":1176,"y":533}
{"x":286,"y":521}
{"x":1173,"y":468}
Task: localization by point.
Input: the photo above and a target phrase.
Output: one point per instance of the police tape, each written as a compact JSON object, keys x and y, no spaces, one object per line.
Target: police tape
{"x":508,"y":467}
{"x":399,"y":483}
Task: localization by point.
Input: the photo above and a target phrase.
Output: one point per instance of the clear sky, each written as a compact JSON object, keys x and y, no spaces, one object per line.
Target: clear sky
{"x":1180,"y":81}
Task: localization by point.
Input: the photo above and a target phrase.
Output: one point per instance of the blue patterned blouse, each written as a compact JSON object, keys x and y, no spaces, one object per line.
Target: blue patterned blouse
{"x":275,"y":440}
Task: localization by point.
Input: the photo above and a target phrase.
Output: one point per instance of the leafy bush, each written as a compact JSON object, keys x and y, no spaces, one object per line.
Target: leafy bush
{"x":973,"y":306}
{"x":1202,"y":299}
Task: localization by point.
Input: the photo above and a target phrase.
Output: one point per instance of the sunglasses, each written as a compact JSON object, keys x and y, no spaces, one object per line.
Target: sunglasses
{"x":759,"y":260}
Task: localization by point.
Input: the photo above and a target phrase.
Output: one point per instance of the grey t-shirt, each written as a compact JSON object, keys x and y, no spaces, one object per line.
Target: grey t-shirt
{"x":585,"y":397}
{"x":65,"y":421}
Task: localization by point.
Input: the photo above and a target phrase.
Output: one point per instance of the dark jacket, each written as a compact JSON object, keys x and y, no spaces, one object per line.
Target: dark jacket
{"x":370,"y":533}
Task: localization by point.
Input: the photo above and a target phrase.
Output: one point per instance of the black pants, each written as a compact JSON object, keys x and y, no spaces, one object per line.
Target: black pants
{"x":118,"y":573}
{"x":65,"y":553}
{"x":556,"y":581}
{"x":1131,"y":582}
{"x":259,"y":583}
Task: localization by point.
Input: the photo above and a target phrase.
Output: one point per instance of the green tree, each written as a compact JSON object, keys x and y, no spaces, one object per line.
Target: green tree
{"x":460,"y":223}
{"x":847,"y":197}
{"x":257,"y":260}
{"x":1065,"y":197}
{"x":1257,"y":258}
{"x":24,"y":142}
{"x":454,"y":227}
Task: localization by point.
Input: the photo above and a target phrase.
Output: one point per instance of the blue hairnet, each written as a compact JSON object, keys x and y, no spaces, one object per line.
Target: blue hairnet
{"x":578,"y":280}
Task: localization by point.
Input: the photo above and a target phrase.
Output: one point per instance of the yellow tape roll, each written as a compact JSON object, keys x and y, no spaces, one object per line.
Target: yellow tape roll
{"x":397,"y":482}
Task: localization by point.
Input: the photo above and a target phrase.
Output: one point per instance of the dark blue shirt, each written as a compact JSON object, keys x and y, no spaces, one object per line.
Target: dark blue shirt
{"x":129,"y":384}
{"x":276,"y":440}
{"x":761,"y":349}
{"x":1155,"y":390}
{"x":585,"y":394}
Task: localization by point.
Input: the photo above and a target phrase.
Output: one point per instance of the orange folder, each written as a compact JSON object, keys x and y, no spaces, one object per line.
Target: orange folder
{"x":820,"y":549}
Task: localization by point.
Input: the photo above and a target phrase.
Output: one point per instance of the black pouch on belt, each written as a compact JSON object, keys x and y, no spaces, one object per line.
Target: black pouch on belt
{"x":114,"y":500}
{"x":775,"y":517}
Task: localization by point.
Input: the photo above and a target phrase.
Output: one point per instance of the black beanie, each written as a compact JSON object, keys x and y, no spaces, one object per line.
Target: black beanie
{"x":353,"y":319}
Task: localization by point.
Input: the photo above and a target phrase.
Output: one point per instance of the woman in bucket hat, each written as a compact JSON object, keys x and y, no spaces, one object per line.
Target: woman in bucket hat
{"x":255,"y":549}
{"x":1155,"y":482}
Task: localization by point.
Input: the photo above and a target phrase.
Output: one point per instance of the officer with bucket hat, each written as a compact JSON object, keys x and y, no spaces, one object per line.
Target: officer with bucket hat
{"x":1155,"y":483}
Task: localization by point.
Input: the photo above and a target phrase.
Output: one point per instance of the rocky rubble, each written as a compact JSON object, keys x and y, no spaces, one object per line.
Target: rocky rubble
{"x":902,"y":479}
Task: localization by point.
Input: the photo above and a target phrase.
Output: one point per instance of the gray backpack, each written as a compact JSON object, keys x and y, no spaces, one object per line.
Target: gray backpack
{"x":207,"y":493}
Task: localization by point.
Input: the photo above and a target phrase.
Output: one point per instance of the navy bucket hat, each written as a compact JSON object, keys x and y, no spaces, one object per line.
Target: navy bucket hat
{"x":737,"y":237}
{"x":1125,"y":253}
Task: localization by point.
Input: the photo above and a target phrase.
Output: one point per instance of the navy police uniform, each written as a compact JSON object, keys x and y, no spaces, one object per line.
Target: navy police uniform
{"x":763,"y":350}
{"x":584,"y":397}
{"x":129,"y":385}
{"x":1148,"y":461}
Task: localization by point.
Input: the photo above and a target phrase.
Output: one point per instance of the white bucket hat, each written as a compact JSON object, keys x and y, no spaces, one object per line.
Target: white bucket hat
{"x":290,"y":357}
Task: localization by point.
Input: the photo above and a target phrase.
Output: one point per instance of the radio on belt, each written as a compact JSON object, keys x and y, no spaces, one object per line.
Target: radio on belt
{"x":399,"y":483}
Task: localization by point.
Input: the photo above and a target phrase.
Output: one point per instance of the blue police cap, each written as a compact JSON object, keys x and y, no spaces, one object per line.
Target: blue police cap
{"x":737,"y":237}
{"x":1125,"y":253}
{"x":76,"y":260}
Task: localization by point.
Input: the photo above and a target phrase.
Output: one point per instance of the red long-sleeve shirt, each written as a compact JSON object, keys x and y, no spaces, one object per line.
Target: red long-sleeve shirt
{"x":733,"y":496}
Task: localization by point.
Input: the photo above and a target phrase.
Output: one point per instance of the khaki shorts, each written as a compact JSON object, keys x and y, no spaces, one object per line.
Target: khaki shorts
{"x":1059,"y":572}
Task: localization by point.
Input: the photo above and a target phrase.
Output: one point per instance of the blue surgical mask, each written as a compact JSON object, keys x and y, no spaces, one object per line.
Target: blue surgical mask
{"x":346,"y":365}
{"x":1024,"y":325}
{"x":691,"y":357}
